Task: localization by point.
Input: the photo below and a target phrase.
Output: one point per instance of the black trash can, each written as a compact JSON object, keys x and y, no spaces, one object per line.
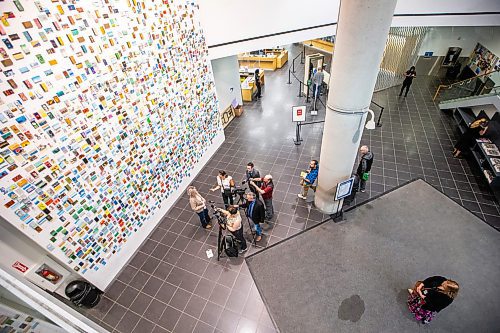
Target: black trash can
{"x":82,"y":293}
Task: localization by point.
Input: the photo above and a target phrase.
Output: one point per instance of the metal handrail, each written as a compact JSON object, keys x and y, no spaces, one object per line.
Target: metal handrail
{"x":449,"y":86}
{"x":378,"y":124}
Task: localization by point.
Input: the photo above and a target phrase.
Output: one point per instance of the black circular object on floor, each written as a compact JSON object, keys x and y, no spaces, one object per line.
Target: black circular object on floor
{"x":82,"y":293}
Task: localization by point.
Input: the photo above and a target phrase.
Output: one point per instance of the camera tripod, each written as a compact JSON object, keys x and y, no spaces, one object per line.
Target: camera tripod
{"x":221,"y":220}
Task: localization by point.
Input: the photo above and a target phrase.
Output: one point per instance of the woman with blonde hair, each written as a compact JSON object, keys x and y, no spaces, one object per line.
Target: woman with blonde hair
{"x":199,"y":206}
{"x":476,"y":130}
{"x":430,"y":296}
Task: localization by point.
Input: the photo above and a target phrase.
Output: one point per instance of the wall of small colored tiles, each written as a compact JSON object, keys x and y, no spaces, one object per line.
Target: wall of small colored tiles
{"x":107,"y":111}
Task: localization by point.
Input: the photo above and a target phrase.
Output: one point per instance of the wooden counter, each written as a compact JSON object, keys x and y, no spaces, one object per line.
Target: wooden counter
{"x":258,"y":62}
{"x":320,"y":44}
{"x":281,"y":56}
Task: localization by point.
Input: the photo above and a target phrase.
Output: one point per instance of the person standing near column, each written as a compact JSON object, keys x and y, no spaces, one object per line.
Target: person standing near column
{"x":266,"y":190}
{"x":308,"y":181}
{"x":364,"y":167}
{"x":257,"y":83}
{"x":409,"y":75}
{"x":317,"y":82}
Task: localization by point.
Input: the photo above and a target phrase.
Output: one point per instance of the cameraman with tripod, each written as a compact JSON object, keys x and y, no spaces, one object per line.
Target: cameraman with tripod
{"x":254,"y":210}
{"x":234,"y":225}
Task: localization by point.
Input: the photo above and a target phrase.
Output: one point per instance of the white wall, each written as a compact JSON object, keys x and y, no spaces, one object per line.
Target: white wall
{"x":226,"y":77}
{"x":227,"y":21}
{"x":438,"y":39}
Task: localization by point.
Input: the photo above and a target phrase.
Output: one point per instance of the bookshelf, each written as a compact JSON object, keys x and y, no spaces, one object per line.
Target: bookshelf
{"x":486,"y":151}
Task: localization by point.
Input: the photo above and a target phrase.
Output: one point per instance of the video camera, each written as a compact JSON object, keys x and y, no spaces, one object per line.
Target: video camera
{"x":240,"y":191}
{"x":221,"y":219}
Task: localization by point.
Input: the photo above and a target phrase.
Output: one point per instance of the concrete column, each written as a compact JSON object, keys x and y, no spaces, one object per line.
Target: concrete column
{"x":362,"y":31}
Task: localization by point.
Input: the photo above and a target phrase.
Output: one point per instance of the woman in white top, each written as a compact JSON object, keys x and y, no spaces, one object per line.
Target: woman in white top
{"x":226,"y":184}
{"x":199,"y":206}
{"x":234,"y":225}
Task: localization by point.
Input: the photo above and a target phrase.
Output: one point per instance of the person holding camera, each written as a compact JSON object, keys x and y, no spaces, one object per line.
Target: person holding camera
{"x":266,"y":190}
{"x":226,"y":185}
{"x":199,"y":206}
{"x":254,"y":210}
{"x":308,"y":180}
{"x":234,"y":225}
{"x":252,"y":174}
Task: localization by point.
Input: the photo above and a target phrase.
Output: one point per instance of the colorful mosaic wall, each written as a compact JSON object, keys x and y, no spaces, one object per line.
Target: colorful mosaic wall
{"x":105,"y":107}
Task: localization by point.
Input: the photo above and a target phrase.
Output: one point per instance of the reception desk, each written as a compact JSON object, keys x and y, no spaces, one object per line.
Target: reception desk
{"x":248,"y":87}
{"x":268,"y":62}
{"x":281,"y":56}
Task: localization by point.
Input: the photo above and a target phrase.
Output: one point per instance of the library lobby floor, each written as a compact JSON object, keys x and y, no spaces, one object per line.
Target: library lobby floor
{"x":171,"y":285}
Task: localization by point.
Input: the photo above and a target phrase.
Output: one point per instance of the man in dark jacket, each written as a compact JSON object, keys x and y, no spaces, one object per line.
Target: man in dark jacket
{"x":364,"y":167}
{"x":252,"y":174}
{"x":254,"y":210}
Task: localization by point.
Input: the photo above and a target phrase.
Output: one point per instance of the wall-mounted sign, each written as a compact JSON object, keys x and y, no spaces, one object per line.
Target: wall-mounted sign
{"x":298,"y":113}
{"x":428,"y":54}
{"x":20,"y":267}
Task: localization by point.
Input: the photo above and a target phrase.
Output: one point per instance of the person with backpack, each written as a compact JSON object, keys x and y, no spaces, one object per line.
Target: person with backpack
{"x":234,"y":225}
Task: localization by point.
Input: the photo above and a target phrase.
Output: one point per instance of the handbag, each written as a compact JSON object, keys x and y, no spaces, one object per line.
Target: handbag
{"x":365,"y":176}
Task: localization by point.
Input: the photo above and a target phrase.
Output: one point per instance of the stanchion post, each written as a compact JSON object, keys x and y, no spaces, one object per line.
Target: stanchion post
{"x":293,"y":66}
{"x":289,"y":80}
{"x":300,"y":89}
{"x":297,"y":135}
{"x":380,"y":116}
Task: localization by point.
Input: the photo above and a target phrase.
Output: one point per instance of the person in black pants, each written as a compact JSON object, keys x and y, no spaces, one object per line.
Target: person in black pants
{"x":251,"y":175}
{"x":364,"y":167}
{"x":409,"y":75}
{"x":226,"y":185}
{"x":257,"y":83}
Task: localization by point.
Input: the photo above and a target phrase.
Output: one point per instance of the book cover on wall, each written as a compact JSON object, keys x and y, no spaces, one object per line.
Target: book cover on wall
{"x":483,"y":60}
{"x":106,"y":107}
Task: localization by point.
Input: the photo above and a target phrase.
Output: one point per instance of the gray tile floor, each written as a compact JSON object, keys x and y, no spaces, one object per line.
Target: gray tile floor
{"x":171,"y":285}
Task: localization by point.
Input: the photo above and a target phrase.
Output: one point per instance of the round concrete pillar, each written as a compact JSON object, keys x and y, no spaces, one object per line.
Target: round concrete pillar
{"x":362,"y":30}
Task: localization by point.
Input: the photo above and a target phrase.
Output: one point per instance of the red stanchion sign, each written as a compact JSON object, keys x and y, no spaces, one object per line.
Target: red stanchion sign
{"x":20,"y":267}
{"x":298,"y":113}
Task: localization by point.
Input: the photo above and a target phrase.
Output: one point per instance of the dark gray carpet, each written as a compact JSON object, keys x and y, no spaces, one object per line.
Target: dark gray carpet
{"x":352,"y":276}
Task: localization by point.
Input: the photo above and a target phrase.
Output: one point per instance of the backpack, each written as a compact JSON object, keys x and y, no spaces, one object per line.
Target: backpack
{"x":231,"y":246}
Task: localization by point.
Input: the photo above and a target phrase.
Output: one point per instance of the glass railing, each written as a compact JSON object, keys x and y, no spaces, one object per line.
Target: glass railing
{"x":476,"y":86}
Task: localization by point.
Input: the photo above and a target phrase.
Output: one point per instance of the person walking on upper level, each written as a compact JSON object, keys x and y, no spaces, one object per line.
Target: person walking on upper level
{"x":364,"y":167}
{"x":409,"y":75}
{"x":308,"y":180}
